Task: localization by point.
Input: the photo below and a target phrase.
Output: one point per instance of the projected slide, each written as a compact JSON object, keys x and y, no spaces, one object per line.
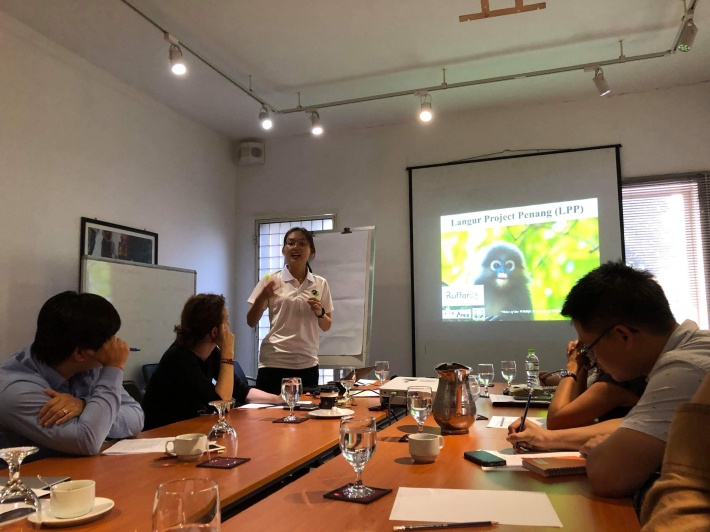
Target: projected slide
{"x":518,"y":263}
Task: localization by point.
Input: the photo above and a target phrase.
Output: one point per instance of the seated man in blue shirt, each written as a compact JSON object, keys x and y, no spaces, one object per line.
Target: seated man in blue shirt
{"x":64,"y":393}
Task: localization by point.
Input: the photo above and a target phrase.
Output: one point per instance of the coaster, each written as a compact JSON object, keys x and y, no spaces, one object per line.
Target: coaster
{"x":296,"y":421}
{"x":338,"y":495}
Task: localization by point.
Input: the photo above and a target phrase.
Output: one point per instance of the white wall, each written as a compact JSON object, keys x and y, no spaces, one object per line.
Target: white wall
{"x":361,"y":176}
{"x":74,"y":141}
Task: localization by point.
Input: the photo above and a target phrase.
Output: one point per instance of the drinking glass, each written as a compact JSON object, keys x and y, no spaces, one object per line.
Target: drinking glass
{"x":358,"y":440}
{"x":347,"y":379}
{"x":291,"y":390}
{"x":474,"y":385}
{"x":188,"y":504}
{"x":486,"y":371}
{"x":419,"y":404}
{"x":508,"y":370}
{"x":382,"y":370}
{"x":15,"y":494}
{"x":222,"y":432}
{"x":475,"y":377}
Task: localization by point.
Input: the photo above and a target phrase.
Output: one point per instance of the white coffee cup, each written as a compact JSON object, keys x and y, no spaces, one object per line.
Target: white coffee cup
{"x":425,"y":447}
{"x":73,"y":498}
{"x":187,"y":447}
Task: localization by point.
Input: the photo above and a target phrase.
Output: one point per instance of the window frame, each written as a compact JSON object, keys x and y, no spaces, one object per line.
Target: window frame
{"x":295,"y":221}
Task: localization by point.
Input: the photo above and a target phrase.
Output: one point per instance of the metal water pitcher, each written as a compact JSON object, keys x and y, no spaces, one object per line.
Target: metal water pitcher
{"x":455,"y":403}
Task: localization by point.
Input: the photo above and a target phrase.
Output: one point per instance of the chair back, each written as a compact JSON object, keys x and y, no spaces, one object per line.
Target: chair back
{"x":148,"y":370}
{"x":133,"y":390}
{"x":239,"y":374}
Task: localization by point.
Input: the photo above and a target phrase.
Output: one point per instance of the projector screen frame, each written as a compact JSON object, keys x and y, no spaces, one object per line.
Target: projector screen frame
{"x":410,"y":171}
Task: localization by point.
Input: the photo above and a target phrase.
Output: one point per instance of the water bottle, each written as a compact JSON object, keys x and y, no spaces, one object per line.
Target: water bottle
{"x":532,"y":368}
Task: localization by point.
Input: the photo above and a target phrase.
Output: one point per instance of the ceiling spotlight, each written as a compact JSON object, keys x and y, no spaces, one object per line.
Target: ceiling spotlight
{"x":687,"y":36}
{"x":316,"y":128}
{"x":177,"y":64}
{"x":600,"y":82}
{"x":264,"y":118}
{"x":425,"y":112}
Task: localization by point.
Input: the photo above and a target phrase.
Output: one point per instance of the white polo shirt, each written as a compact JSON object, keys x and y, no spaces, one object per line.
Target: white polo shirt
{"x":292,"y":342}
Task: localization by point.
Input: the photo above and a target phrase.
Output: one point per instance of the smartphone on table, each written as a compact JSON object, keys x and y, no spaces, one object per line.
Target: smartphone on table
{"x":484,"y":458}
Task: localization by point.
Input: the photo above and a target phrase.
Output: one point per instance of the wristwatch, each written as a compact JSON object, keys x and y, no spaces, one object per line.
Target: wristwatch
{"x":565,"y":373}
{"x":322,"y":313}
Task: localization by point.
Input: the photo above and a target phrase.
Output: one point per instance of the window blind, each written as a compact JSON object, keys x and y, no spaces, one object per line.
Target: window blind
{"x":666,"y":232}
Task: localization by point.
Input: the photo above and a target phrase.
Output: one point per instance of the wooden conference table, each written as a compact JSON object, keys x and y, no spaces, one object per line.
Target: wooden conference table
{"x":301,"y":506}
{"x":275,"y":449}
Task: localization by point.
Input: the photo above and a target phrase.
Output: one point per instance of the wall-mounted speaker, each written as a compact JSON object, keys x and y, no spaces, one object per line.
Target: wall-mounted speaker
{"x":251,"y":153}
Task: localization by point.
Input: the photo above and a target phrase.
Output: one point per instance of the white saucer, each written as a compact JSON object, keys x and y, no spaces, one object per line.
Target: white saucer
{"x":339,"y":412}
{"x":193,"y":457}
{"x":101,"y":507}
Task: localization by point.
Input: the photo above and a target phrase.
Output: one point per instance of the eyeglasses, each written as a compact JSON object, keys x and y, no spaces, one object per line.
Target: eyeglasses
{"x":588,"y":350}
{"x":301,"y":244}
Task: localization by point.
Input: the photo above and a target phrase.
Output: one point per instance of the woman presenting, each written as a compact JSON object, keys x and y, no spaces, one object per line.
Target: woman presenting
{"x":299,"y":304}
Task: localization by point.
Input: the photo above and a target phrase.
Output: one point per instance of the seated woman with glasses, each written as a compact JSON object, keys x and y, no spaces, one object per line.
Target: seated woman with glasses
{"x":299,"y":305}
{"x":587,"y":394}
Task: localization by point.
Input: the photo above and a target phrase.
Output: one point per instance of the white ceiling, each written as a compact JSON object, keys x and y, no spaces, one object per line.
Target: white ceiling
{"x":331,"y":50}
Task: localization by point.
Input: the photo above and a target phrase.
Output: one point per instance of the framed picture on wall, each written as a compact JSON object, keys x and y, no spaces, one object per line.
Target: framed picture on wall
{"x":113,"y":241}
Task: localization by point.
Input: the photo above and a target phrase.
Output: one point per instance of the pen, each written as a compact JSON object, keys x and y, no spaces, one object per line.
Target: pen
{"x":521,"y":428}
{"x":439,"y":526}
{"x":525,"y":414}
{"x":135,"y":348}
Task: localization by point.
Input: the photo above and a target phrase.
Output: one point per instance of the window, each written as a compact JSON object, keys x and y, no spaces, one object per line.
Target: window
{"x":269,"y":258}
{"x":665,"y":232}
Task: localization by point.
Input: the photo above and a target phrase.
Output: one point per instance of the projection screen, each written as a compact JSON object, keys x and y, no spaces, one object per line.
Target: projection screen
{"x":496,"y":244}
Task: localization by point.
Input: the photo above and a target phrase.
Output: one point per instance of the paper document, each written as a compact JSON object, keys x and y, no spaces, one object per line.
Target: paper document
{"x":460,"y":506}
{"x":514,"y":462}
{"x":502,"y":422}
{"x":138,"y":446}
{"x":258,"y":406}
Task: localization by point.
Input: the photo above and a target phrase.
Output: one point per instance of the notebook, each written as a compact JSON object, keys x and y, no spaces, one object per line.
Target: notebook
{"x":507,"y":400}
{"x":35,"y":483}
{"x":556,"y":467}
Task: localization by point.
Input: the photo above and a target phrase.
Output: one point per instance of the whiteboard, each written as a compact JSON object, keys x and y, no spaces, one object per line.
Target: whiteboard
{"x":347,"y":261}
{"x":149,"y":300}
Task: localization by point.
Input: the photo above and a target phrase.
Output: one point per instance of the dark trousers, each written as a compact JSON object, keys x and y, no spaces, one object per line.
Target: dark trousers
{"x":269,"y":379}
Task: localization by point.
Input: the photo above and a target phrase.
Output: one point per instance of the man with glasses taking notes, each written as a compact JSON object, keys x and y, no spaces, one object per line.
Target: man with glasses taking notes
{"x":623,"y":320}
